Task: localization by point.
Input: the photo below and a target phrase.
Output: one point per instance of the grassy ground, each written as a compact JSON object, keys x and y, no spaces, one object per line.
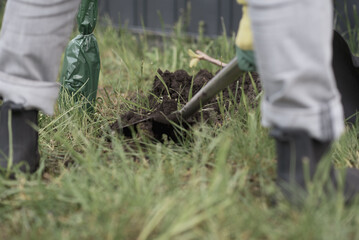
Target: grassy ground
{"x":219,"y":184}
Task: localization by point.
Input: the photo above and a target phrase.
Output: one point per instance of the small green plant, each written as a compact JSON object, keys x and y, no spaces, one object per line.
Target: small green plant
{"x":164,"y":84}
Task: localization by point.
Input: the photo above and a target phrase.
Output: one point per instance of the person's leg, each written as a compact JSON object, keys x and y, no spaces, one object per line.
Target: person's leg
{"x":293,"y":52}
{"x":33,"y":36}
{"x":301,"y":103}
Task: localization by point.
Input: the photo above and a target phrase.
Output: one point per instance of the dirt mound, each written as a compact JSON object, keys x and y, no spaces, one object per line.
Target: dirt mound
{"x":172,"y":90}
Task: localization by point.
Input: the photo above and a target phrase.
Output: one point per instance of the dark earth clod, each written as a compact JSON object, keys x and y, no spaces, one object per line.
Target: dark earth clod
{"x":172,"y":90}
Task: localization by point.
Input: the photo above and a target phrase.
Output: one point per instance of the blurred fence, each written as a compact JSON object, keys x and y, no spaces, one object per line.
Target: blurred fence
{"x":161,"y":15}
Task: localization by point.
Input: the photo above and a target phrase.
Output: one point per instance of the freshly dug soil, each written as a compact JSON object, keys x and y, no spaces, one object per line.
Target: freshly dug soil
{"x":171,"y":91}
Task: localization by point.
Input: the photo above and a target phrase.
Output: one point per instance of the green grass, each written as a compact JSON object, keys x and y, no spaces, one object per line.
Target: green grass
{"x":351,"y":31}
{"x":218,"y":184}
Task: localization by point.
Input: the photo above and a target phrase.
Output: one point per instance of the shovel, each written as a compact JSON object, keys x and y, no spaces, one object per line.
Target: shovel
{"x":224,"y":78}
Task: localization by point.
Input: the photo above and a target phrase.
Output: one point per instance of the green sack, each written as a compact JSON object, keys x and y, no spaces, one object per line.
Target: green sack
{"x":81,"y":67}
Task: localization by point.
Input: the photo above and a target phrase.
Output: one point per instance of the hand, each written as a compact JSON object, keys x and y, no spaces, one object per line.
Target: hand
{"x":245,"y":59}
{"x":244,"y":41}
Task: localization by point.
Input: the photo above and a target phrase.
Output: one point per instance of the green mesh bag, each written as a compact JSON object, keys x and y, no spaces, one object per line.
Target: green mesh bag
{"x":81,"y":67}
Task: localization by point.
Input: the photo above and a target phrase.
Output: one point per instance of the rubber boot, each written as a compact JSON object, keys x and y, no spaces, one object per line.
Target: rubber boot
{"x":298,"y":157}
{"x":346,"y":71}
{"x":18,"y":138}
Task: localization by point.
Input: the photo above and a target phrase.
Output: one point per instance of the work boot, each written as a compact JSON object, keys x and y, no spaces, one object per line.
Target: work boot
{"x":19,"y":146}
{"x":298,"y":157}
{"x":346,"y":71}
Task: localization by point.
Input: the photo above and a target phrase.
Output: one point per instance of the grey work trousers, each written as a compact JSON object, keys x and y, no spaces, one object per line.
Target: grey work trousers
{"x":292,"y":41}
{"x":33,"y":36}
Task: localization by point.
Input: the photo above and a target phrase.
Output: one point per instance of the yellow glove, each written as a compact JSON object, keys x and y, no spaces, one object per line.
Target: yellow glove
{"x":244,"y":38}
{"x":244,"y":41}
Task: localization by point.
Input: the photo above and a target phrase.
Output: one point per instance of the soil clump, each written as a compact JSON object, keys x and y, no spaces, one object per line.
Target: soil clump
{"x":172,"y":90}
